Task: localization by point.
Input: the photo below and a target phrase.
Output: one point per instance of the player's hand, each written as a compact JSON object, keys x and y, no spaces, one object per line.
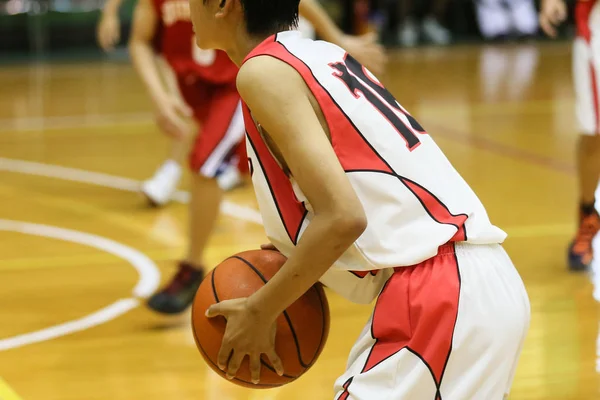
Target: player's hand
{"x":172,"y":114}
{"x":366,"y":50}
{"x":552,"y":14}
{"x":109,"y":31}
{"x":247,"y":334}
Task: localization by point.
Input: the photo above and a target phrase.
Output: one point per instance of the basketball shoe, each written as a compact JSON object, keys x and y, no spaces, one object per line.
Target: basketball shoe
{"x":581,"y":252}
{"x":178,"y":294}
{"x":160,"y":188}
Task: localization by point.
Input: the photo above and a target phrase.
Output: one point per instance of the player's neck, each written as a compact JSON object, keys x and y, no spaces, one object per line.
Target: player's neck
{"x":243,"y":45}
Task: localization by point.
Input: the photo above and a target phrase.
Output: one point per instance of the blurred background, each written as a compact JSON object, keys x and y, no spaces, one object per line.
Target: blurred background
{"x":53,"y":28}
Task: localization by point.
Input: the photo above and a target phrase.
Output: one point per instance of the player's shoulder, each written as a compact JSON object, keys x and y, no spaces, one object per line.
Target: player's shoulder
{"x":267,"y":72}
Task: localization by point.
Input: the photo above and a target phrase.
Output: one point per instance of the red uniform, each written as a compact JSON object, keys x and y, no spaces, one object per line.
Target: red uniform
{"x":206,"y":80}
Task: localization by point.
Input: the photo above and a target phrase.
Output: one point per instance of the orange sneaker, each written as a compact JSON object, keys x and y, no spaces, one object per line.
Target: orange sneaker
{"x":581,"y":252}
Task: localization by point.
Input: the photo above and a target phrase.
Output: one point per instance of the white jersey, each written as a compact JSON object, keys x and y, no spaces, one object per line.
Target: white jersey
{"x":414,"y":199}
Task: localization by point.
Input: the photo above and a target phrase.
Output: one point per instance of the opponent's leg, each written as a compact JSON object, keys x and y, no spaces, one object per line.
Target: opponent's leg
{"x":213,"y":150}
{"x":586,"y":75}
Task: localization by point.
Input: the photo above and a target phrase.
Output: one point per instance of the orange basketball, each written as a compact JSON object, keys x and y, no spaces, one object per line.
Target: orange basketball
{"x":301,"y":330}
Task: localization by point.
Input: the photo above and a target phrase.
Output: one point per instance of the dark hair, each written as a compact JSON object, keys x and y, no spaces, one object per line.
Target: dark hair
{"x":265,"y":17}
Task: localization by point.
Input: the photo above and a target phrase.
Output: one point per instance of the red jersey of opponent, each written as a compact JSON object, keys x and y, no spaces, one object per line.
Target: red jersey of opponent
{"x":175,"y":41}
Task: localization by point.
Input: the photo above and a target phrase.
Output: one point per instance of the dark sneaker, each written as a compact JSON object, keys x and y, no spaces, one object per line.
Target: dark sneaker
{"x":581,"y":253}
{"x":178,"y":295}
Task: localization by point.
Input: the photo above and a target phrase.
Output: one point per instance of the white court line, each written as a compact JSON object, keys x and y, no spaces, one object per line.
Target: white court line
{"x":148,"y":280}
{"x":114,"y":182}
{"x":149,"y":275}
{"x":102,"y":316}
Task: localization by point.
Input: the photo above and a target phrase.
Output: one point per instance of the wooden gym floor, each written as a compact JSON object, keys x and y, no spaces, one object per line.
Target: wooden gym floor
{"x":79,"y":249}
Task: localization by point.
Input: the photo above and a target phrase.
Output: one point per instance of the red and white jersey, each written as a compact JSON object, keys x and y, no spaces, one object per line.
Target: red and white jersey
{"x":414,"y":199}
{"x":176,"y":43}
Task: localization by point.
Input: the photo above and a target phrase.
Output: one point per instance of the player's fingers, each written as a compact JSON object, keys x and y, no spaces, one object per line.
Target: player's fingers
{"x":235,"y":361}
{"x":183,"y":108}
{"x":170,"y":128}
{"x":214,"y":311}
{"x":547,"y":27}
{"x":255,"y":368}
{"x":276,"y":362}
{"x":182,"y":129}
{"x":224,"y":354}
{"x":179,"y":126}
{"x":164,"y":125}
{"x":560,"y":13}
{"x":555,"y":17}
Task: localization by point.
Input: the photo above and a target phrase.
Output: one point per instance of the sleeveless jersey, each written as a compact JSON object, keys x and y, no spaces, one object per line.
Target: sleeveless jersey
{"x":176,"y":43}
{"x":414,"y":199}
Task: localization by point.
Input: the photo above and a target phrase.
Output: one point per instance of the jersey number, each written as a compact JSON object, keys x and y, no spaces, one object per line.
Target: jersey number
{"x":355,"y":77}
{"x":202,"y":57}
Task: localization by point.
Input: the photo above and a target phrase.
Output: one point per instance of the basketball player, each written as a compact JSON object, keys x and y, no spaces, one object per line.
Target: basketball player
{"x":356,"y":194}
{"x":586,"y":61}
{"x":160,"y":188}
{"x":206,"y":81}
{"x":162,"y":185}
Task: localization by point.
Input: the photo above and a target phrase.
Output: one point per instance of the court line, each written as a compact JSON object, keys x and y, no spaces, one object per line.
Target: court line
{"x":6,"y":392}
{"x":147,"y":270}
{"x":114,"y":182}
{"x":99,"y":317}
{"x":148,"y":281}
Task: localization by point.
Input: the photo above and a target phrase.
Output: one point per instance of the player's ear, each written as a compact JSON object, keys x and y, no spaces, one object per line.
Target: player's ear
{"x":225,"y":7}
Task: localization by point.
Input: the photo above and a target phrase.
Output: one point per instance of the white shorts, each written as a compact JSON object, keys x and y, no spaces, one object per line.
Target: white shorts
{"x":450,"y":328}
{"x":586,"y":76}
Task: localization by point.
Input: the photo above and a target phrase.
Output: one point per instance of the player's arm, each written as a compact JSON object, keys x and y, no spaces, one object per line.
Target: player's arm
{"x":320,"y":20}
{"x":109,"y":27}
{"x":170,"y":108}
{"x":552,"y":14}
{"x":279,"y":100}
{"x":364,"y":48}
{"x":144,"y":27}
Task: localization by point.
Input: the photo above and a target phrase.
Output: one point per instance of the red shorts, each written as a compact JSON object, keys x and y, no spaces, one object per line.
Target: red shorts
{"x":217,"y":108}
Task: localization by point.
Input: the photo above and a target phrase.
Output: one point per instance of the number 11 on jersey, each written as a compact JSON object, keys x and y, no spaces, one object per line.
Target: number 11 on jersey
{"x":355,"y":76}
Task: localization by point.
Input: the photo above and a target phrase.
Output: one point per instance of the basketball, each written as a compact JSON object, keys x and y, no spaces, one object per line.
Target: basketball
{"x":301,"y":330}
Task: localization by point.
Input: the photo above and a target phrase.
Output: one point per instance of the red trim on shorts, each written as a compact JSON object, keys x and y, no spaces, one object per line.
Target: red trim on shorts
{"x":345,"y":394}
{"x":417,"y":310}
{"x":219,"y":109}
{"x":583,"y":9}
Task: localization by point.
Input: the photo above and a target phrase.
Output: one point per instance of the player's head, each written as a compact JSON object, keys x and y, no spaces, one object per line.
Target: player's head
{"x":219,"y":22}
